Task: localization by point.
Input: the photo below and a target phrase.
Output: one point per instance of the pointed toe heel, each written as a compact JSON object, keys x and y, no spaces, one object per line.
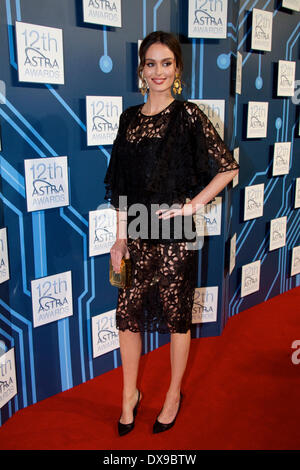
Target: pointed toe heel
{"x":126,"y":428}
{"x":161,"y":427}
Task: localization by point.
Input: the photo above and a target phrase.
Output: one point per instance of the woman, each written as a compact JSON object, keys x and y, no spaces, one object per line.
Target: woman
{"x":166,"y":152}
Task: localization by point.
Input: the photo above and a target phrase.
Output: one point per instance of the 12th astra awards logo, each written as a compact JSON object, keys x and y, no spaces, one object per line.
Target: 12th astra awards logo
{"x":51,"y":298}
{"x":107,"y":12}
{"x":4,"y":265}
{"x":46,"y":183}
{"x":8,"y":383}
{"x":102,"y":114}
{"x":40,"y":53}
{"x":207,"y":18}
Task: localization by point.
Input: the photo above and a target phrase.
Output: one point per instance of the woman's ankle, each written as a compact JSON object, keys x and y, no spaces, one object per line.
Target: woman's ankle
{"x":129,"y":394}
{"x":174,"y":392}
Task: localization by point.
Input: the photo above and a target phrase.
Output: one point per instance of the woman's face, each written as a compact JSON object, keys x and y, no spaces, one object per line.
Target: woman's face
{"x":160,"y":68}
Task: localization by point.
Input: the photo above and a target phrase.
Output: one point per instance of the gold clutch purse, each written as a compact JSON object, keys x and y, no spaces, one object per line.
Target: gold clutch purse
{"x":122,"y":279}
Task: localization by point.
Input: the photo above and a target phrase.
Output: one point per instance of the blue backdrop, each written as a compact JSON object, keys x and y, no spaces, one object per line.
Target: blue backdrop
{"x":42,"y":120}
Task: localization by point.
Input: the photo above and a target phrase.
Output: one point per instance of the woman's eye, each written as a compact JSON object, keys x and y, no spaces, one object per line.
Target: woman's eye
{"x":165,"y":64}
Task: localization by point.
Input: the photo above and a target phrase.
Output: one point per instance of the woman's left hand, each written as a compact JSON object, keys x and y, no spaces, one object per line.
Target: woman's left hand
{"x":186,"y":209}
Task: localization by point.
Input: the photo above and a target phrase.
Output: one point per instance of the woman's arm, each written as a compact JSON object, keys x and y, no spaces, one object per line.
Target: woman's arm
{"x":213,"y":162}
{"x":207,"y":194}
{"x":119,"y":248}
{"x":121,"y":225}
{"x":214,"y":187}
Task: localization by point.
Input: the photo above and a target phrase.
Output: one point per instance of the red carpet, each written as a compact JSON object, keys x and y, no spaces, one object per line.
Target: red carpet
{"x":241,"y":391}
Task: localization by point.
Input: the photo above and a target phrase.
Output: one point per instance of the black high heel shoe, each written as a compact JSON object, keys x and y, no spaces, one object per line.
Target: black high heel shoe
{"x":161,"y":427}
{"x":126,"y":428}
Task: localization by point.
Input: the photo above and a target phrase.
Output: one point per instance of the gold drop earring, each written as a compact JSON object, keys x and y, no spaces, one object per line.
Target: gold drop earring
{"x":177,"y":88}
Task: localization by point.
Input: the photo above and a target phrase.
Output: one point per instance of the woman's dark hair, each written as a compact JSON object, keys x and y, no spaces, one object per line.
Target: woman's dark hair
{"x":168,"y":40}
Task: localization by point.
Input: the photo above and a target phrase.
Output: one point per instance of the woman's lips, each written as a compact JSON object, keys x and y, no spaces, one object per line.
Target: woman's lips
{"x":158,"y":81}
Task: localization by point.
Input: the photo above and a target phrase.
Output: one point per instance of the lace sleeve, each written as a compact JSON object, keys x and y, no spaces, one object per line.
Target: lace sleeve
{"x":114,"y":179}
{"x":219,"y":157}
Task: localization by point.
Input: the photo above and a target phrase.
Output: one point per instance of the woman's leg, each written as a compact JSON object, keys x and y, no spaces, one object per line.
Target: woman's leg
{"x":179,"y":267}
{"x":130,"y":349}
{"x":179,"y":351}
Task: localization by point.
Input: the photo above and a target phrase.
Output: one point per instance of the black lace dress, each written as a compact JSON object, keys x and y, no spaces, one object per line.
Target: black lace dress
{"x":162,"y":160}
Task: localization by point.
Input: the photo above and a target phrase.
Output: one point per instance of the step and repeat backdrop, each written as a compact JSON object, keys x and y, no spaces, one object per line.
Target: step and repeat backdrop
{"x":68,"y":70}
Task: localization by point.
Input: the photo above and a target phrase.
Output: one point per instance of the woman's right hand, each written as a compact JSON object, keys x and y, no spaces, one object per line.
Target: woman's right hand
{"x":117,"y":251}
